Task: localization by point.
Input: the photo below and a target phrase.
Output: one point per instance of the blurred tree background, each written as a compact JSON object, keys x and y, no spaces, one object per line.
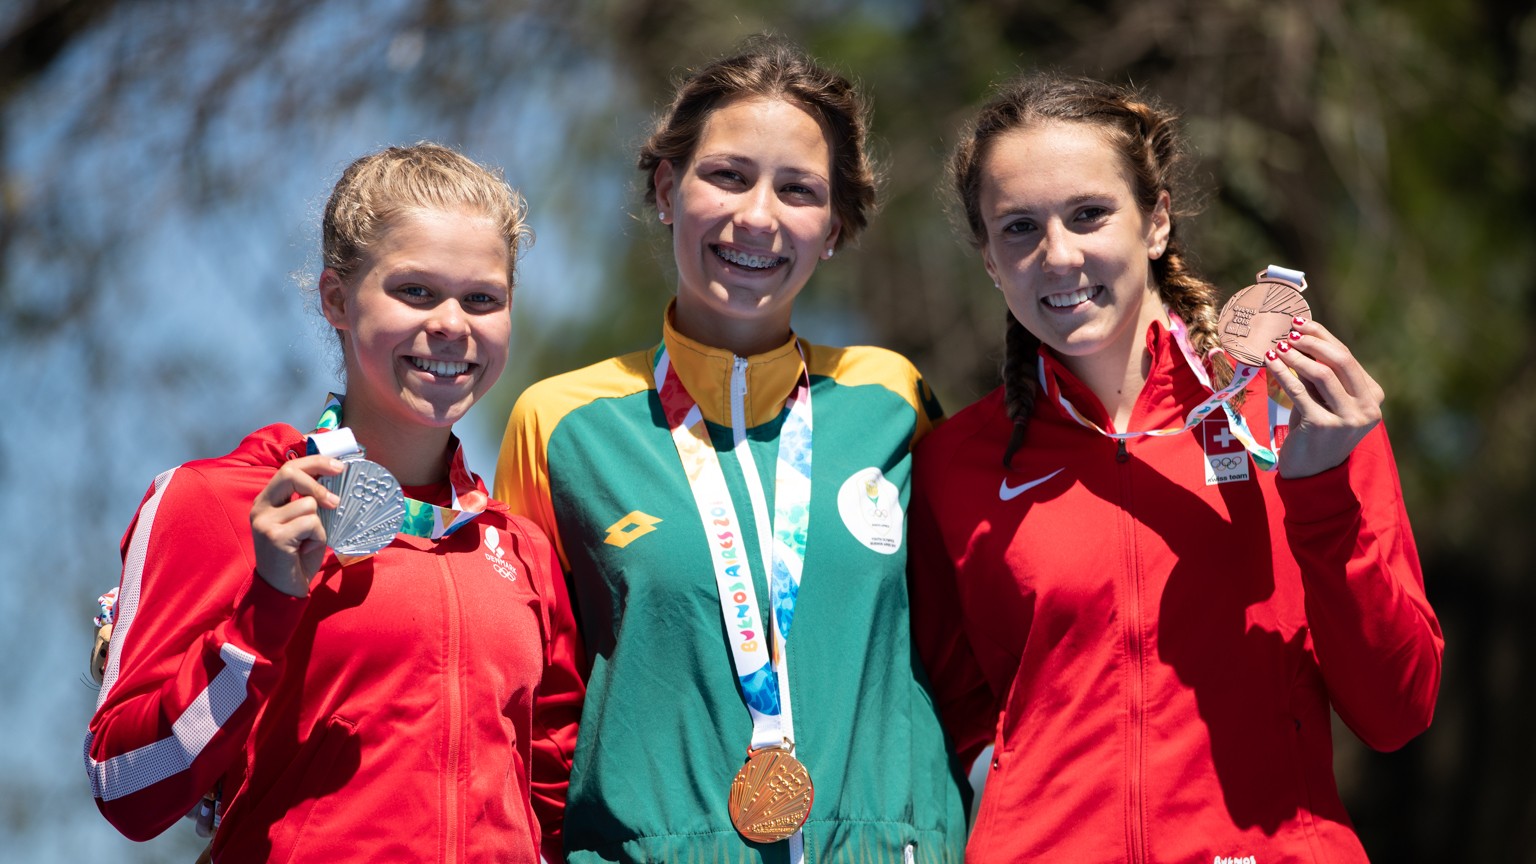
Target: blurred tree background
{"x":162,"y":163}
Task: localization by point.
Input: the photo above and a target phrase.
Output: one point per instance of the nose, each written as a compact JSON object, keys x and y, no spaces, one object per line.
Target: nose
{"x":1059,"y":249}
{"x":448,"y":320}
{"x":758,"y":212}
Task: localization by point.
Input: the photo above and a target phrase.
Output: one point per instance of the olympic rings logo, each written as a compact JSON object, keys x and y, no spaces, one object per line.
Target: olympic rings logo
{"x":1226,"y":463}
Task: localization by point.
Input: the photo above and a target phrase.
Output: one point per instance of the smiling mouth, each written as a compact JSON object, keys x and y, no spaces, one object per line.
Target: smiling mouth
{"x":1069,"y":299}
{"x":747,"y":260}
{"x":440,"y":368}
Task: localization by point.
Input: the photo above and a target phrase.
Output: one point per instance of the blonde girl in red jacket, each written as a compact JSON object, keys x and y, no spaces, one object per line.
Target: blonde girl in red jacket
{"x":1108,"y":586}
{"x":418,"y":703}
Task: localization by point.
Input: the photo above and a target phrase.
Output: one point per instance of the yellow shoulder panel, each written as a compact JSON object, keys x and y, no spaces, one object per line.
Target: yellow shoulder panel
{"x":522,"y":469}
{"x":866,"y":365}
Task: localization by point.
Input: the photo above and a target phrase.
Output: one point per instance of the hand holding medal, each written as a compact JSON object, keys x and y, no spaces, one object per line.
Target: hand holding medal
{"x":331,"y":497}
{"x":286,"y":529}
{"x":1334,"y":401}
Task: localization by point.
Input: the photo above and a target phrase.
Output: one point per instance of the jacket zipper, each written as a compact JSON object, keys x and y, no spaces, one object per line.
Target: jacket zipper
{"x":1135,"y":828}
{"x":739,"y":397}
{"x":452,"y":817}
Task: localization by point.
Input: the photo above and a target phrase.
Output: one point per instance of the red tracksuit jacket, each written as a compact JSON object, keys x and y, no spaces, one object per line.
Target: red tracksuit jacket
{"x":1154,"y":658}
{"x":406,"y":710}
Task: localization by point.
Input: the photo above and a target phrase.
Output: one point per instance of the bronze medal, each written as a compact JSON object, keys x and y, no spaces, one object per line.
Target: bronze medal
{"x":771,"y":796}
{"x":1258,"y":317}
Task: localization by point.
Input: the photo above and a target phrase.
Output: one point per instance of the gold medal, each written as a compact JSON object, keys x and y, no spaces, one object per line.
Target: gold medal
{"x":771,"y":796}
{"x":1258,"y":317}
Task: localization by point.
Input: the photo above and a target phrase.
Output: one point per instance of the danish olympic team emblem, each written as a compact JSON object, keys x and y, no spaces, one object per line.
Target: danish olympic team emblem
{"x":497,"y":556}
{"x":871,"y":509}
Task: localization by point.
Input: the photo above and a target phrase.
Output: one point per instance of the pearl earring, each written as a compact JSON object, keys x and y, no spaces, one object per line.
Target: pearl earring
{"x":830,"y":251}
{"x":662,"y":216}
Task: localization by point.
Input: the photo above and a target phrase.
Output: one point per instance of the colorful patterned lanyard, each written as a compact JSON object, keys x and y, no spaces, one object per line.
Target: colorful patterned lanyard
{"x":764,"y":674}
{"x":1242,"y":373}
{"x":422,"y":519}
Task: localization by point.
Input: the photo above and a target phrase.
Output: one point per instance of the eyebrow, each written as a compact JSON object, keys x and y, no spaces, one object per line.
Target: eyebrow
{"x":743,"y":160}
{"x":416,"y":272}
{"x":1074,"y":201}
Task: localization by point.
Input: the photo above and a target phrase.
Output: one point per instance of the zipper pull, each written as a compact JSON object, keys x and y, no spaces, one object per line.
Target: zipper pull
{"x":1120,"y":455}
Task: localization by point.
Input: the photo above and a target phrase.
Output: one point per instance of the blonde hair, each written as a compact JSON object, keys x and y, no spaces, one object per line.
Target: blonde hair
{"x":425,"y":176}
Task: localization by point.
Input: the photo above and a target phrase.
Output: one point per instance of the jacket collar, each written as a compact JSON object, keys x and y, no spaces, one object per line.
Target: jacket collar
{"x":1171,"y":387}
{"x":706,"y":371}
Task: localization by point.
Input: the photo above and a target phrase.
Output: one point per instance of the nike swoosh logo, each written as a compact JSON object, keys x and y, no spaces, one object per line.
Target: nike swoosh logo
{"x":1008,"y":493}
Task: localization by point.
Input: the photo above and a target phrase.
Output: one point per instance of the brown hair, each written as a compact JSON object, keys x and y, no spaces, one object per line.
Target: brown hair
{"x":769,"y":67}
{"x":424,"y":176}
{"x":1145,"y":135}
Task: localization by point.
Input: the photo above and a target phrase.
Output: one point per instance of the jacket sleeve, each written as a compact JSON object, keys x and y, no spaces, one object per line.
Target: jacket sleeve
{"x":195,"y":652}
{"x":1377,"y":640}
{"x":522,"y":472}
{"x":929,"y":412}
{"x":967,"y":706}
{"x":556,"y":707}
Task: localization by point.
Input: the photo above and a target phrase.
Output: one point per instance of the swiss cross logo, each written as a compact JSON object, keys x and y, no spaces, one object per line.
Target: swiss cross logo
{"x":1226,"y":461}
{"x":1218,"y":436}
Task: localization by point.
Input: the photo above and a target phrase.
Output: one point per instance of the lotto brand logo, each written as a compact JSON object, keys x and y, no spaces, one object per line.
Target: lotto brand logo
{"x":632,"y":527}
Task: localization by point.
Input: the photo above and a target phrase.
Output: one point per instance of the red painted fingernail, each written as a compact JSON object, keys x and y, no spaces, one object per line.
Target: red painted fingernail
{"x":1295,"y":335}
{"x":1299,"y":321}
{"x":1271,"y":355}
{"x":1285,"y":346}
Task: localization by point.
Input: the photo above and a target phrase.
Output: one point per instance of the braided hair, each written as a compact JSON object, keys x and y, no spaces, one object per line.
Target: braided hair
{"x":1146,"y":136}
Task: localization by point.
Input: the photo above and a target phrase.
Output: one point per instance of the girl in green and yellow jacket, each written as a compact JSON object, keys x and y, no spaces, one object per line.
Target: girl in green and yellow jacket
{"x":729,"y":506}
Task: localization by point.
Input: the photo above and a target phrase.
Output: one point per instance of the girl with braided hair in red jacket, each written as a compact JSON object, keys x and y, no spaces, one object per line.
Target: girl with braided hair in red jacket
{"x":1107,"y":584}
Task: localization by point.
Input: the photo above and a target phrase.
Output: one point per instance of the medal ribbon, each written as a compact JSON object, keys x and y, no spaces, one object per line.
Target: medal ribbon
{"x":432,"y":521}
{"x":761,"y":666}
{"x":1242,"y":373}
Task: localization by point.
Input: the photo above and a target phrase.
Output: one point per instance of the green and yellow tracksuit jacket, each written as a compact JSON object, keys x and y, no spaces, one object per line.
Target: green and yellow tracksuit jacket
{"x":588,"y":456}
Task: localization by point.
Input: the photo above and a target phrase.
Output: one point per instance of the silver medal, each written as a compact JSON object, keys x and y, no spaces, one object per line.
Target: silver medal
{"x":370,"y":510}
